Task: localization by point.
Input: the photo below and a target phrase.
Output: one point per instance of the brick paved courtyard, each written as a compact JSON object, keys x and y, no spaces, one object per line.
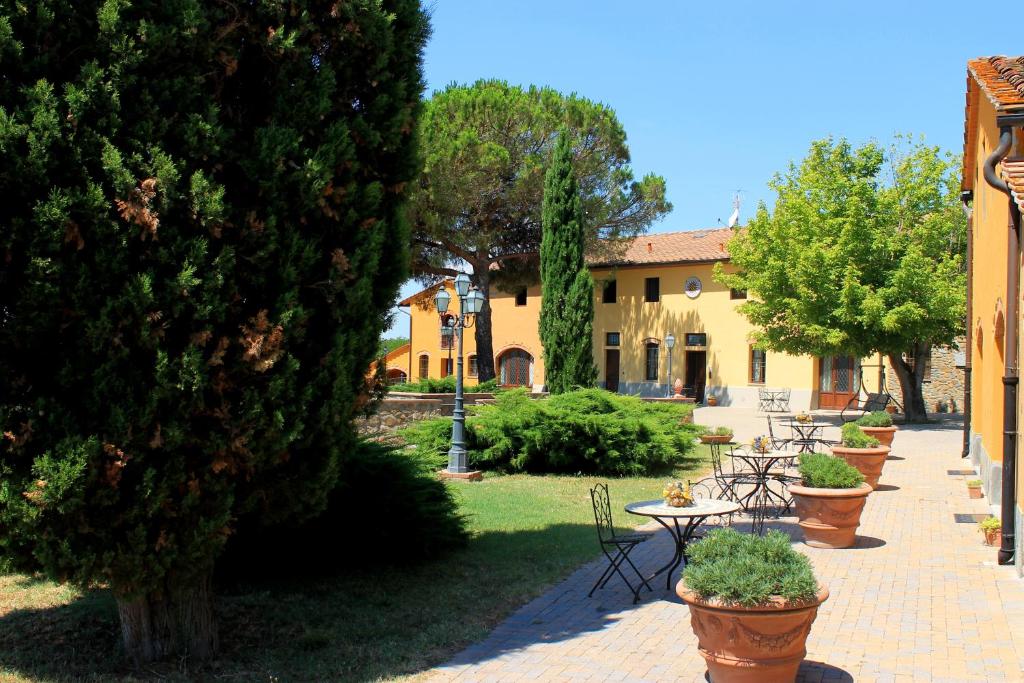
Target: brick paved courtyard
{"x":919,"y":598}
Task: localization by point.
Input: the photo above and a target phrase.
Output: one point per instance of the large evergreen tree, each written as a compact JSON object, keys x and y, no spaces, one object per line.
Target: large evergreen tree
{"x":478,"y":202}
{"x":567,"y":294}
{"x":201,"y":233}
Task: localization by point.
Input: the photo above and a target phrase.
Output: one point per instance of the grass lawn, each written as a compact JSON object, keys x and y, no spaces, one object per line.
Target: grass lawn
{"x":527,"y":533}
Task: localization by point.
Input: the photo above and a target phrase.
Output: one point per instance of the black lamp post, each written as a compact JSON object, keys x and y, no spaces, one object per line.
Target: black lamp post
{"x":670,"y":342}
{"x":470,"y":303}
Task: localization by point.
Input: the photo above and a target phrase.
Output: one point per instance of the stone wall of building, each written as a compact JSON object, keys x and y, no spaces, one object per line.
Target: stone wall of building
{"x":943,"y":386}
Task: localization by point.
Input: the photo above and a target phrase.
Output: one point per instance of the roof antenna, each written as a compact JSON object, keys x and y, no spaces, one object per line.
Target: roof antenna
{"x":735,"y":217}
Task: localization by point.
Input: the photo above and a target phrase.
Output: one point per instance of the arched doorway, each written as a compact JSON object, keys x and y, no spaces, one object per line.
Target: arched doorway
{"x":515,"y":368}
{"x":397,"y":376}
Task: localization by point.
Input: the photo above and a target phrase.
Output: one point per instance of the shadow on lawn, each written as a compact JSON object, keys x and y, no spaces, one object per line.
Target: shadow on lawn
{"x":354,"y":626}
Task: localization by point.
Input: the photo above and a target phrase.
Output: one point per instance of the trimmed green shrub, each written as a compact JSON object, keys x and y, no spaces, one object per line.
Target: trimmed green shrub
{"x":429,"y":440}
{"x":716,"y":431}
{"x":445,"y":385}
{"x":586,"y":431}
{"x":748,"y":570}
{"x":414,"y":517}
{"x":821,"y":471}
{"x":990,"y":524}
{"x":854,"y":437}
{"x":879,"y":418}
{"x":974,"y":483}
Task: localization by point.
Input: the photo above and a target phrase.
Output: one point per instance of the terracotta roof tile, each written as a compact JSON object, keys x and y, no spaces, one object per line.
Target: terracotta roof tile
{"x":1013,"y":174}
{"x":675,"y":247}
{"x":1001,"y":79}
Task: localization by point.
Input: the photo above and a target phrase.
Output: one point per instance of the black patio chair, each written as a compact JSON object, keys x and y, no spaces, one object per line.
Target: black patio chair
{"x":616,"y":547}
{"x":765,"y":399}
{"x":781,"y":399}
{"x":778,"y":442}
{"x":728,"y":478}
{"x":710,"y":488}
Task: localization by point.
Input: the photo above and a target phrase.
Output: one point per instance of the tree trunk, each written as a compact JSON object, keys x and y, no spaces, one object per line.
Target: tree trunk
{"x":484,"y":344}
{"x":910,"y":379}
{"x":176,"y":621}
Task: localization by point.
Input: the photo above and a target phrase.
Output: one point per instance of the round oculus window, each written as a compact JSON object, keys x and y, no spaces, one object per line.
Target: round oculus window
{"x":692,"y":287}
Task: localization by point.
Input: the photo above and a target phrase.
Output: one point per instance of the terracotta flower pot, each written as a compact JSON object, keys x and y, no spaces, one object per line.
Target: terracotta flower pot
{"x":829,"y":517}
{"x":712,"y":401}
{"x":974,"y":491}
{"x":868,"y":461}
{"x":715,"y":438}
{"x":883,"y":434}
{"x":991,"y":536}
{"x":751,"y":644}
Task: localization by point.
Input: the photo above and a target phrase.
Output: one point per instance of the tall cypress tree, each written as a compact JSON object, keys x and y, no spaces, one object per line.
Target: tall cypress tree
{"x":201,"y":233}
{"x":567,"y":294}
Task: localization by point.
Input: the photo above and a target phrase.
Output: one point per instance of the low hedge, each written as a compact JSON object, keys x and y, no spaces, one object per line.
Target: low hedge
{"x":879,"y":418}
{"x":589,"y":431}
{"x":821,"y":471}
{"x":853,"y":437}
{"x":748,"y":570}
{"x":445,"y":385}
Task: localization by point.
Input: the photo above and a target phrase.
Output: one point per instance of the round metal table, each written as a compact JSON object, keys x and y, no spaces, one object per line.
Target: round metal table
{"x":806,"y":432}
{"x":692,"y":517}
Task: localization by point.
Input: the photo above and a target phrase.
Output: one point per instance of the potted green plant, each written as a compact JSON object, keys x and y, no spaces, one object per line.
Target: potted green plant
{"x":974,"y":488}
{"x":752,"y":602}
{"x":879,"y":425}
{"x":991,"y":528}
{"x":829,"y":500}
{"x":717,"y":435}
{"x":863,"y":452}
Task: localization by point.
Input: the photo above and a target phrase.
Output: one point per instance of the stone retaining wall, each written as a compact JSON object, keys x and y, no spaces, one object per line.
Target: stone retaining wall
{"x":944,"y":387}
{"x":394,"y":413}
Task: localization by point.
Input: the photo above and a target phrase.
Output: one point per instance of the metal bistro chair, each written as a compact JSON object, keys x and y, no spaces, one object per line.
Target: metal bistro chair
{"x":728,"y":480}
{"x":710,"y":488}
{"x":778,"y":442}
{"x":765,"y":399}
{"x":616,"y":547}
{"x":782,"y":399}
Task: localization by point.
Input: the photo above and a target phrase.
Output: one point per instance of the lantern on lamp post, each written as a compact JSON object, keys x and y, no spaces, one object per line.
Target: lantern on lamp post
{"x":470,"y":303}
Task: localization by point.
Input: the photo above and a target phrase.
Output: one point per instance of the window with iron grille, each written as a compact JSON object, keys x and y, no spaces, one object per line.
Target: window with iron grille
{"x":651,"y":364}
{"x":471,"y":363}
{"x":424,"y":366}
{"x":652,"y":289}
{"x":610,"y":292}
{"x":758,"y":365}
{"x":611,"y":339}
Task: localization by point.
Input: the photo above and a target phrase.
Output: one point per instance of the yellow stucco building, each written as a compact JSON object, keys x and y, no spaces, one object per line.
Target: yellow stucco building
{"x":993,"y":186}
{"x":661,"y":285}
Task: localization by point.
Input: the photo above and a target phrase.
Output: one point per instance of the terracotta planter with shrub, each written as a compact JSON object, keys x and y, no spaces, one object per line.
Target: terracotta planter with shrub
{"x":974,"y":489}
{"x":883,"y":434}
{"x":715,"y":438}
{"x":868,"y":461}
{"x":751,"y":644}
{"x":750,"y":632}
{"x":829,"y":517}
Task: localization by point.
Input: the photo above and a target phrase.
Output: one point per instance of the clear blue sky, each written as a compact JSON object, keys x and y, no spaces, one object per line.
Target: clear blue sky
{"x":718,"y":96}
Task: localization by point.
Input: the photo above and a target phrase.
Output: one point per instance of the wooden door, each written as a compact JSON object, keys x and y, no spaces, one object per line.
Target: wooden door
{"x":696,"y":370}
{"x":611,"y":370}
{"x":838,"y":381}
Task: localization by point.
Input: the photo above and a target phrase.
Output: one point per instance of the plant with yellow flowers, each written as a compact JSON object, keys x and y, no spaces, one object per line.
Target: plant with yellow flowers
{"x":677,"y":494}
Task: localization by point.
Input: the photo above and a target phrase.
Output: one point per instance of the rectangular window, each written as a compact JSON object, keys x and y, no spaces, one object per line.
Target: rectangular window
{"x":446,"y":367}
{"x":610,"y":292}
{"x":447,"y":338}
{"x":758,"y":365}
{"x":696,"y":339}
{"x":424,"y":367}
{"x":521,"y":297}
{"x":651,"y":364}
{"x":737,"y":293}
{"x":611,"y":339}
{"x":472,"y":366}
{"x":652,"y":289}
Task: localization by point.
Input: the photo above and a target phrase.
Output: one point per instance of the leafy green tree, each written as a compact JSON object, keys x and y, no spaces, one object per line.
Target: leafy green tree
{"x":200,"y":238}
{"x":567,"y":295}
{"x":478,"y":203}
{"x":862,"y":253}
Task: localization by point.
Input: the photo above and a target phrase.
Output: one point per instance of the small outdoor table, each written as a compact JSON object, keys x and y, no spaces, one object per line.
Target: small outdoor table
{"x":806,"y":433}
{"x":761,"y":465}
{"x":692,"y":517}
